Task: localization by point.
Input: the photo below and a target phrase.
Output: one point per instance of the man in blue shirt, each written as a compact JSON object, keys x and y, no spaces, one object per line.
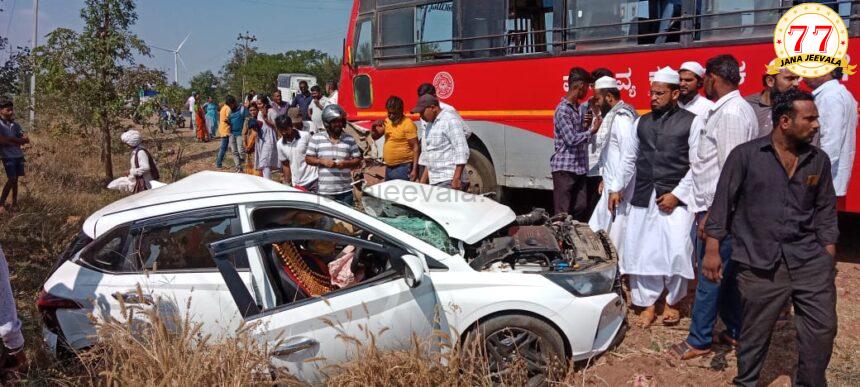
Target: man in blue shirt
{"x":235,"y":141}
{"x":303,"y":100}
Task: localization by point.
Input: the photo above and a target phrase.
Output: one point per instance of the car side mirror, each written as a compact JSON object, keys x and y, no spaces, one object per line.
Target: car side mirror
{"x":413,"y":271}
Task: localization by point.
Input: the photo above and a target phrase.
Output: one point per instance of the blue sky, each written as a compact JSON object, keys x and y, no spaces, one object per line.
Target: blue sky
{"x":279,"y":25}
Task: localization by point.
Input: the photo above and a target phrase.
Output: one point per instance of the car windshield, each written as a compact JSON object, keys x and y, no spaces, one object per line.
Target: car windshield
{"x":409,"y":221}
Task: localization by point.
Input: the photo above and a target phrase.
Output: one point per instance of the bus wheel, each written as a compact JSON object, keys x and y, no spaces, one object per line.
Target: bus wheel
{"x":482,"y":175}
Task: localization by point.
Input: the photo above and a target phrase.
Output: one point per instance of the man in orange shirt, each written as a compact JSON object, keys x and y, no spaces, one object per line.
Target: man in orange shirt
{"x":401,"y":150}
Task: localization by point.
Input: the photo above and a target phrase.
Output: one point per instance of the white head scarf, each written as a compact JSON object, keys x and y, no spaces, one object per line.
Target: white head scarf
{"x":666,"y":75}
{"x":131,"y":137}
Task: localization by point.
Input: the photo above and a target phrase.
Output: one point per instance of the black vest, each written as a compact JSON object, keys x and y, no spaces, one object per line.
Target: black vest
{"x":663,"y":158}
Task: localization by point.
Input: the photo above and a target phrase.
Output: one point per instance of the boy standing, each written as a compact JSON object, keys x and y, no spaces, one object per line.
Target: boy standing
{"x":11,"y":139}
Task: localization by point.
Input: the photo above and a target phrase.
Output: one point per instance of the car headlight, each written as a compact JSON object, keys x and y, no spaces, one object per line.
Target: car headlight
{"x":586,"y":283}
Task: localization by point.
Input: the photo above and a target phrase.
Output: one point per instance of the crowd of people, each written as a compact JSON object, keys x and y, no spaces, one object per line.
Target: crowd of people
{"x":305,"y":139}
{"x":738,"y":194}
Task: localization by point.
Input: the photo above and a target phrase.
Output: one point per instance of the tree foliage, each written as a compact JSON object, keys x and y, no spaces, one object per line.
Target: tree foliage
{"x":208,"y":85}
{"x":91,"y":76}
{"x":261,"y":71}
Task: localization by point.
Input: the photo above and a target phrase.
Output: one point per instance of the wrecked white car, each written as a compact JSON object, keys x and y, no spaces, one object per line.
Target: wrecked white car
{"x":226,"y":248}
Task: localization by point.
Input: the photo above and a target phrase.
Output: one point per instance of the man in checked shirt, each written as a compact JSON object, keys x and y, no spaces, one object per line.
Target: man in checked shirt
{"x":569,"y":163}
{"x":444,"y":150}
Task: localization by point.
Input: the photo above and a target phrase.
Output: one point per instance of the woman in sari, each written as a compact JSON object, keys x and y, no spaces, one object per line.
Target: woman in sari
{"x":200,"y":120}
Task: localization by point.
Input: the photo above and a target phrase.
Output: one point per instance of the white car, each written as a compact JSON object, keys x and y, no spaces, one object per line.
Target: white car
{"x":223,"y":248}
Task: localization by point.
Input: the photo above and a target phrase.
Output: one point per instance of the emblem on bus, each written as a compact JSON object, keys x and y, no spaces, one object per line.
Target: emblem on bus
{"x":444,"y":84}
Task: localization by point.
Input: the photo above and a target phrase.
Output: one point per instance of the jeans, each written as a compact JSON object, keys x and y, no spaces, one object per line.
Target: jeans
{"x":714,"y":298}
{"x":398,"y":172}
{"x":345,"y":198}
{"x":237,"y":144}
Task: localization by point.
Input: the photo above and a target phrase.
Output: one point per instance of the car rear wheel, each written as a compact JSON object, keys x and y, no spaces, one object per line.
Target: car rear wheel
{"x":509,"y":339}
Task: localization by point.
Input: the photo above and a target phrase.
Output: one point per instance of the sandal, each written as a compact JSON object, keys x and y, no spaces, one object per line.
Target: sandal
{"x":683,"y":351}
{"x":671,"y":315}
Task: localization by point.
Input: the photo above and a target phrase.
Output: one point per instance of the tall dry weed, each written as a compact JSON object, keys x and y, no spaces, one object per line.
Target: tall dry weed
{"x":149,"y":348}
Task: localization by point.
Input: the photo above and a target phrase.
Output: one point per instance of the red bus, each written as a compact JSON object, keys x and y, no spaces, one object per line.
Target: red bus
{"x":503,"y":63}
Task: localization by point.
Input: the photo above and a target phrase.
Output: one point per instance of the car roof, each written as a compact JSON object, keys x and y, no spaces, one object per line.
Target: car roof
{"x":200,"y":185}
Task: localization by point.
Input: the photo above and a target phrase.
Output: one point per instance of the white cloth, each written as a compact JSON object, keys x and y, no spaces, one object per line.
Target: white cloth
{"x":332,"y":98}
{"x":294,"y":152}
{"x":645,"y":290}
{"x":443,"y":147}
{"x":729,"y":123}
{"x":654,"y":242}
{"x":10,"y":325}
{"x":190,"y":103}
{"x":265,"y":150}
{"x":837,"y":114}
{"x":131,"y":137}
{"x":698,"y":105}
{"x":693,"y":67}
{"x":667,"y":75}
{"x":316,"y":122}
{"x":450,"y":109}
{"x":614,"y":179}
{"x":144,"y":168}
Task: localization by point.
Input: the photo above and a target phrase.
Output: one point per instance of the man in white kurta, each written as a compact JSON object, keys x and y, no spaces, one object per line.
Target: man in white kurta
{"x":657,"y":242}
{"x":691,"y":80}
{"x":613,"y":136}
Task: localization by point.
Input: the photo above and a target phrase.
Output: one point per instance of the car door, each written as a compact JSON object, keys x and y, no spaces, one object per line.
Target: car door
{"x":176,"y":273}
{"x":310,"y":334}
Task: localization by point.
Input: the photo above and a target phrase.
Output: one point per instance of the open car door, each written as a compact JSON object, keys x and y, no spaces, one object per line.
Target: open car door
{"x":307,"y":333}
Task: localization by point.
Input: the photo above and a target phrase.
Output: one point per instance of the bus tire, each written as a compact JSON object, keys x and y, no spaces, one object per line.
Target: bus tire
{"x":482,"y":175}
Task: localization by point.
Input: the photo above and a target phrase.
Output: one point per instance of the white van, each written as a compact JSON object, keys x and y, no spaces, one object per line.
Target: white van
{"x":288,"y":84}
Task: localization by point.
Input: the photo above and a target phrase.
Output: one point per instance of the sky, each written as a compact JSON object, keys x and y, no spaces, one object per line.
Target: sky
{"x":279,"y":25}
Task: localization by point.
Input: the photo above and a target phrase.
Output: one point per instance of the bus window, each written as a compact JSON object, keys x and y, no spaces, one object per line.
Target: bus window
{"x":434,"y":30}
{"x":483,"y":24}
{"x":362,"y":91}
{"x":528,"y":28}
{"x":733,"y":19}
{"x":364,"y":42}
{"x":395,"y":31}
{"x":365,"y":6}
{"x":608,"y":23}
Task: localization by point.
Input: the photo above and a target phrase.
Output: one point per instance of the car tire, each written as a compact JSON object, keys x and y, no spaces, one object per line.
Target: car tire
{"x":544,"y":345}
{"x":482,"y":175}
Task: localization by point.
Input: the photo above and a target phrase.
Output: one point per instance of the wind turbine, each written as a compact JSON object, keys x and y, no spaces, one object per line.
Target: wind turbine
{"x":177,"y":59}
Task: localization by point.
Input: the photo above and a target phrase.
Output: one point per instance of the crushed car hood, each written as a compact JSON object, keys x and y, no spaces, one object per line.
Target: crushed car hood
{"x":464,"y":216}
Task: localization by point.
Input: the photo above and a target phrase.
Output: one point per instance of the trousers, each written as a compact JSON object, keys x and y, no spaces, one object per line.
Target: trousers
{"x":811,"y":287}
{"x":237,"y":145}
{"x":570,"y":194}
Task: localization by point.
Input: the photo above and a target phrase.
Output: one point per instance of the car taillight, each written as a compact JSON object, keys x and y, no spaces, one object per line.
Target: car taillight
{"x":48,"y":305}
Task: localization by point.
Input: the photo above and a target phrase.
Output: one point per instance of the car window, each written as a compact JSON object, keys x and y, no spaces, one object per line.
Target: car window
{"x":108,"y":252}
{"x":183,"y":245}
{"x":316,"y":266}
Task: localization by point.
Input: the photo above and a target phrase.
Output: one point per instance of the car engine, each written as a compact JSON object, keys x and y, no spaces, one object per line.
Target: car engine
{"x":538,"y":243}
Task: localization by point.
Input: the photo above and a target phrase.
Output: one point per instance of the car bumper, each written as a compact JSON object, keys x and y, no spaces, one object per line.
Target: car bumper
{"x":594,"y":324}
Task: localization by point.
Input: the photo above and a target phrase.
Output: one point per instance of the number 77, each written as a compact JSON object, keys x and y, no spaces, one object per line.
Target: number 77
{"x":798,"y":44}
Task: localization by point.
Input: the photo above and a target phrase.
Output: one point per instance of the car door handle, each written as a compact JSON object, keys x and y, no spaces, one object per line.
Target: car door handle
{"x":296,"y":344}
{"x":134,"y":297}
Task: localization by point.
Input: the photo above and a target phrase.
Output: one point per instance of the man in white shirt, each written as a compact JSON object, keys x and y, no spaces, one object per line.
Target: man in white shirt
{"x":691,"y":81}
{"x":331,"y":89}
{"x":837,"y":110}
{"x":318,"y":103}
{"x":292,"y":148}
{"x":191,"y":102}
{"x":729,"y":123}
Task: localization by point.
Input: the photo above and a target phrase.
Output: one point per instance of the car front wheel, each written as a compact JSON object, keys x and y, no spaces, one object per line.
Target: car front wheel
{"x":510,"y":342}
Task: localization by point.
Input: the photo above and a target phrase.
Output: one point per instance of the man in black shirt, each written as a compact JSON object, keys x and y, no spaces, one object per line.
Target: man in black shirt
{"x":775,"y":197}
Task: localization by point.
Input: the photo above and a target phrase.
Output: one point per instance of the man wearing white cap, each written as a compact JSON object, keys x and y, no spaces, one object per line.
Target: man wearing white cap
{"x":691,"y":80}
{"x":729,"y":123}
{"x":657,"y":242}
{"x":616,"y":130}
{"x":761,"y":102}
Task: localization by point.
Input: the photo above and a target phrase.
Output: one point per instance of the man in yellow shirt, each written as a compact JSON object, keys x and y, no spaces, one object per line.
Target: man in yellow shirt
{"x":401,"y":150}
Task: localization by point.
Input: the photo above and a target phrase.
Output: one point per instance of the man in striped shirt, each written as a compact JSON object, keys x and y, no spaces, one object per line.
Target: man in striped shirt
{"x":729,"y":123}
{"x":336,"y":154}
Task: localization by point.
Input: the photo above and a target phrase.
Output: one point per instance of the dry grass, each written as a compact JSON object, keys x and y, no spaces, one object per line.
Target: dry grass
{"x":148,"y":347}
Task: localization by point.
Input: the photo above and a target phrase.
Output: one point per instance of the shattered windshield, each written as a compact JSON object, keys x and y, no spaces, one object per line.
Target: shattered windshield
{"x":409,"y":221}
